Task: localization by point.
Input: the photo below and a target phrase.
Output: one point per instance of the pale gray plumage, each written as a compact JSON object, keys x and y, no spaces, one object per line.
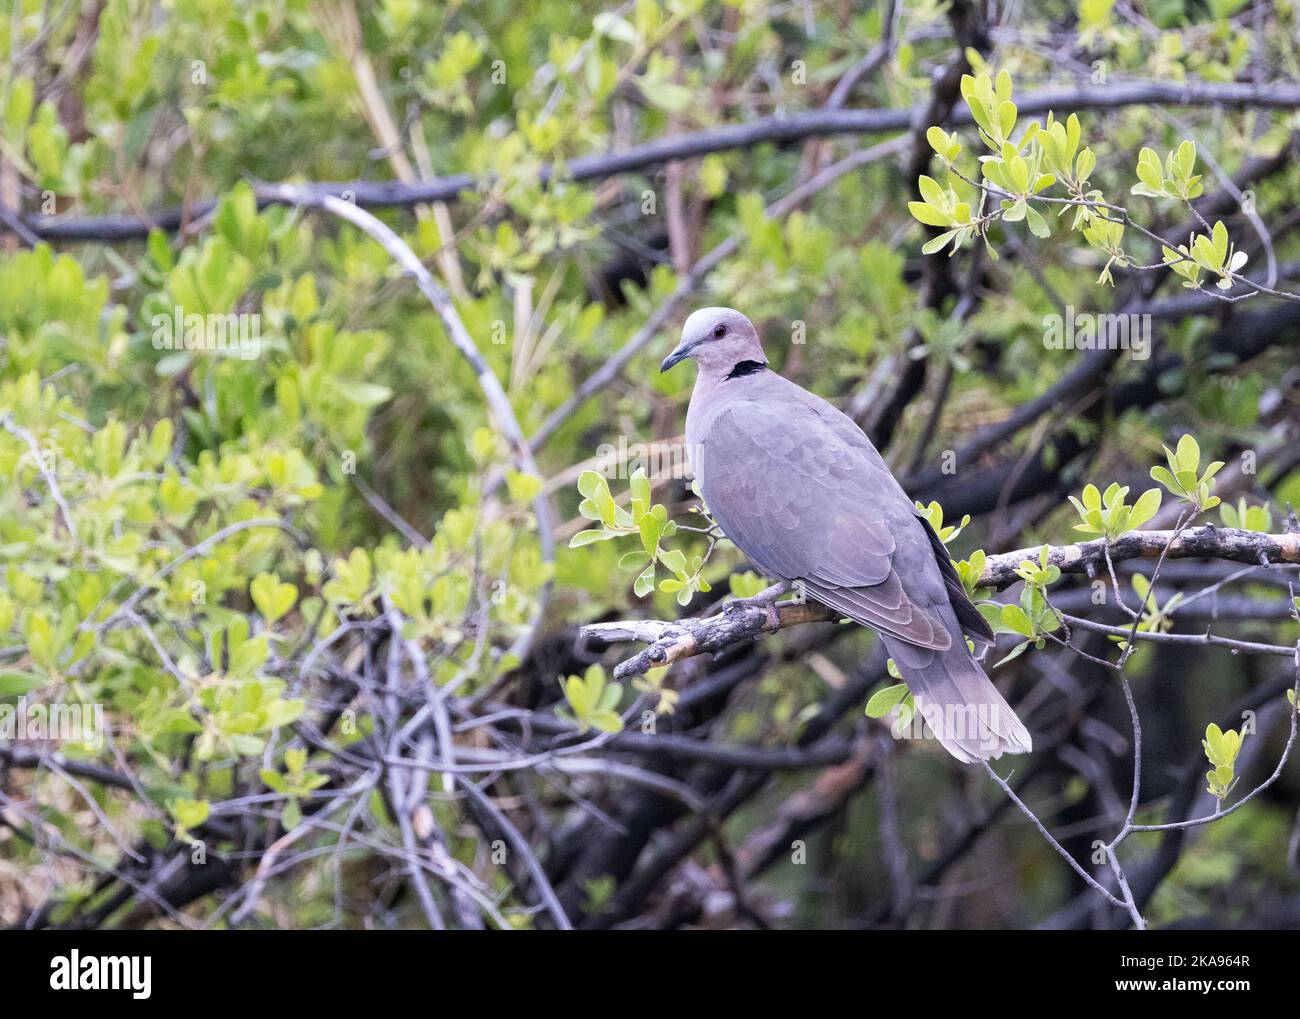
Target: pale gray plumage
{"x":804,"y":494}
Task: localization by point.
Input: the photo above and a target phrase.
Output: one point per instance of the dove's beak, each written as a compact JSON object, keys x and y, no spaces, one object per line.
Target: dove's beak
{"x":680,"y":353}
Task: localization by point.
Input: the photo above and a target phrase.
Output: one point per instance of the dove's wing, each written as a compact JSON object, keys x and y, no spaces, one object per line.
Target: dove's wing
{"x":805,"y":504}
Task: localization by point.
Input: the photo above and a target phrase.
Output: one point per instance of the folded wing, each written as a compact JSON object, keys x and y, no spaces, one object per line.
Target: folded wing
{"x":806,"y":505}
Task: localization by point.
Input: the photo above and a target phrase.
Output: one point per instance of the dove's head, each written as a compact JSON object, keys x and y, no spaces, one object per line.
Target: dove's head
{"x":718,"y":339}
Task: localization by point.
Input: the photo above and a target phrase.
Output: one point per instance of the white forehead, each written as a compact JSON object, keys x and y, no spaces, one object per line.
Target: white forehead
{"x":702,"y":322}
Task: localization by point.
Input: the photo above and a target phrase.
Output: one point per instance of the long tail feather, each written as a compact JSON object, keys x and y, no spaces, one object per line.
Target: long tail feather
{"x":958,"y":701}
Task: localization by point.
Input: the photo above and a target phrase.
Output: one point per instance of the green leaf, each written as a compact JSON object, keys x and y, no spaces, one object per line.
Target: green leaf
{"x":588,"y":536}
{"x":247,"y":657}
{"x":591,"y":482}
{"x":634,"y":560}
{"x":746,"y":584}
{"x":639,"y":490}
{"x":645,"y":582}
{"x":884,"y":699}
{"x":189,"y":813}
{"x":1037,"y":224}
{"x":523,"y":488}
{"x":675,"y":560}
{"x":1163,"y":476}
{"x":666,"y":95}
{"x":650,"y":531}
{"x":592,"y":701}
{"x":929,"y":215}
{"x":937,"y":243}
{"x":1146,"y":507}
{"x":14,"y":683}
{"x":1015,"y":652}
{"x":281,"y":713}
{"x":1188,"y":456}
{"x":272,"y":598}
{"x":1014,"y":619}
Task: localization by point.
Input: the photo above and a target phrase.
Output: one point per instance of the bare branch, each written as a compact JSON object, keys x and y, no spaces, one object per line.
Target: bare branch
{"x":1208,"y":542}
{"x":777,"y":128}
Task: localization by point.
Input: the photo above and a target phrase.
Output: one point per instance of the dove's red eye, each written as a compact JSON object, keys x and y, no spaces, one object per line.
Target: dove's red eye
{"x":719,"y":332}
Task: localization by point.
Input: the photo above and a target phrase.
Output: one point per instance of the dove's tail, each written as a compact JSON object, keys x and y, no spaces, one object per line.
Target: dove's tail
{"x":959,"y":703}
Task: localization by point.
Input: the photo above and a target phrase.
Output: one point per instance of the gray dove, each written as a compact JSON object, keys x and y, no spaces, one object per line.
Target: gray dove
{"x":801,"y":490}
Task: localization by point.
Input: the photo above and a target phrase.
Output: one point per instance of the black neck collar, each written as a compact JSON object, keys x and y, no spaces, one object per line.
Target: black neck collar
{"x":746,"y":368}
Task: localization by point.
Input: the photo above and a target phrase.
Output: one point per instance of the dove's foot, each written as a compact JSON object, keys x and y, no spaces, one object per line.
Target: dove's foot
{"x":765,"y":599}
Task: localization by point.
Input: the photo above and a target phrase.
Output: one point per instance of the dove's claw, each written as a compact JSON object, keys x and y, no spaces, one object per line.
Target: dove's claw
{"x":765,"y":599}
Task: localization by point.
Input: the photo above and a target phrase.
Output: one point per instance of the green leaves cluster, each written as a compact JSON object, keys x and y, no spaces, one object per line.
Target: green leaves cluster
{"x":38,"y":144}
{"x":1106,"y":514}
{"x":205,"y":548}
{"x":592,"y":702}
{"x":272,"y":597}
{"x":188,"y":814}
{"x":1176,"y":179}
{"x":1155,"y":617}
{"x":990,"y":103}
{"x":1031,"y":617}
{"x":445,"y":79}
{"x":746,"y":584}
{"x":1221,"y":750}
{"x":649,"y":522}
{"x":1184,"y":478}
{"x":781,"y":261}
{"x":1042,"y":573}
{"x":296,"y":781}
{"x":1022,"y":166}
{"x":1014,"y":169}
{"x":933,"y":514}
{"x":970,"y":571}
{"x":1247,"y":517}
{"x":1070,"y":164}
{"x":941,"y":207}
{"x":1212,"y":253}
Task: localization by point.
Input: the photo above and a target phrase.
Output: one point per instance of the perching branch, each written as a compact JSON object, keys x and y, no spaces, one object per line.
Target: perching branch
{"x":670,"y":640}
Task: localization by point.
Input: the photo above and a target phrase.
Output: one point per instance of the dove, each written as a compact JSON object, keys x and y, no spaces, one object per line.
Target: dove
{"x":799,"y":488}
